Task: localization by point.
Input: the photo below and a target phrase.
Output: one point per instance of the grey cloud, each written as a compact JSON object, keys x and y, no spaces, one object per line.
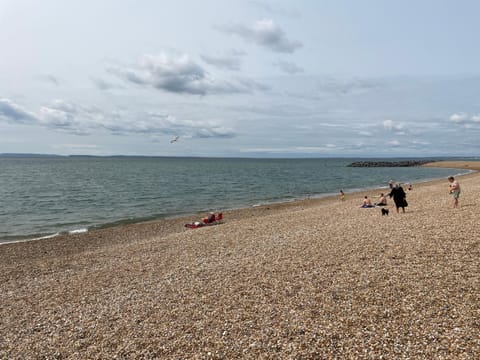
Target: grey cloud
{"x":105,"y":85}
{"x":289,"y":67}
{"x":228,"y":62}
{"x":178,"y":75}
{"x":49,"y":79}
{"x":264,"y":33}
{"x":251,"y":85}
{"x":129,"y":75}
{"x":13,"y":113}
{"x":59,"y":115}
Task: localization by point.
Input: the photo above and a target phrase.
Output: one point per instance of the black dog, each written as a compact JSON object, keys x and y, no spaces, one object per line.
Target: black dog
{"x":385,"y":211}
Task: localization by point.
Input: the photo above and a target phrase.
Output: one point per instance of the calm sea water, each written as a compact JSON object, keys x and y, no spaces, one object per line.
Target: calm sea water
{"x":45,"y":196}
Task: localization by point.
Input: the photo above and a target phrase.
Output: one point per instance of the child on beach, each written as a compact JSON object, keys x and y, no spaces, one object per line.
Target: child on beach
{"x":454,"y":190}
{"x":342,"y":195}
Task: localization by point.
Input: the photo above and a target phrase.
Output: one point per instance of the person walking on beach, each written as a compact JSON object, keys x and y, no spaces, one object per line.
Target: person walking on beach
{"x":399,"y":197}
{"x":454,"y":190}
{"x":342,"y":195}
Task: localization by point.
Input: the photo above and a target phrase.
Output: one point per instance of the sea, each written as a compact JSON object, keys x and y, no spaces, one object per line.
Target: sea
{"x":46,"y":196}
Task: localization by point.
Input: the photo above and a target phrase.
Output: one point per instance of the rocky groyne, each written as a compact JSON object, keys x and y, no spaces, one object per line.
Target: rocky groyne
{"x":401,"y":163}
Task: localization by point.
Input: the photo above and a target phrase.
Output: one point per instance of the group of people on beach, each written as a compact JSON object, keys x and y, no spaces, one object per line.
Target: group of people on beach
{"x":397,"y":193}
{"x":400,"y":197}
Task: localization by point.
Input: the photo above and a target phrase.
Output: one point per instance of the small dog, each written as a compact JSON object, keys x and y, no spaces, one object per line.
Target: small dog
{"x":385,"y":211}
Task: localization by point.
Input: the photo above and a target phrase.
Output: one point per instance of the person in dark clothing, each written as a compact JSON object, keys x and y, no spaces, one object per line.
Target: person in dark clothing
{"x":399,"y":197}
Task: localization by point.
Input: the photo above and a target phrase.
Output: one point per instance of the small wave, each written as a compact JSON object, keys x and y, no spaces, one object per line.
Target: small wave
{"x":29,"y":239}
{"x":78,"y":231}
{"x":44,"y":237}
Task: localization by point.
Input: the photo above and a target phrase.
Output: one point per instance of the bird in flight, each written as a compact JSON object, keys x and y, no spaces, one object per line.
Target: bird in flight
{"x":174,"y":139}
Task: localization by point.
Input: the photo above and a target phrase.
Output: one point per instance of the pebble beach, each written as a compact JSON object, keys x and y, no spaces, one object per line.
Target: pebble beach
{"x":310,"y":279}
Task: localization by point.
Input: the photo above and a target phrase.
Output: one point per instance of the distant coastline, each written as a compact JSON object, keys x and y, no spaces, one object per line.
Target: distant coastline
{"x":368,"y":160}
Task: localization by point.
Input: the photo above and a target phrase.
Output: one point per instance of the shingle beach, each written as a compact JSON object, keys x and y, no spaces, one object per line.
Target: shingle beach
{"x":314,"y":279}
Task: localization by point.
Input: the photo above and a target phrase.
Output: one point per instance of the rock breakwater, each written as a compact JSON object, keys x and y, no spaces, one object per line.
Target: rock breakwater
{"x":402,"y":163}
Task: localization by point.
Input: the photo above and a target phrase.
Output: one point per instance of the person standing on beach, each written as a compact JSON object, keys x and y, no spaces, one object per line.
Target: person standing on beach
{"x":399,"y":197}
{"x":342,"y":195}
{"x":454,"y":190}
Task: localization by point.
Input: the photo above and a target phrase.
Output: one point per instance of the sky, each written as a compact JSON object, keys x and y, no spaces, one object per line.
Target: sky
{"x":240,"y":78}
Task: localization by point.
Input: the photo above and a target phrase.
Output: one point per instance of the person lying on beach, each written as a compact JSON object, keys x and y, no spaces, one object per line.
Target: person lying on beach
{"x":211,"y":219}
{"x":366,"y":203}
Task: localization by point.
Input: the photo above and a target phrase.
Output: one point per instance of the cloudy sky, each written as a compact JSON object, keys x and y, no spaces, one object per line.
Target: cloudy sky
{"x":242,"y":78}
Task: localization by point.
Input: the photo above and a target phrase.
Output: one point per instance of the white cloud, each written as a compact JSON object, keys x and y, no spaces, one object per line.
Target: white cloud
{"x":190,"y":128}
{"x":459,"y":118}
{"x":390,"y":125}
{"x":264,"y":33}
{"x":418,"y":142}
{"x":465,"y":119}
{"x":394,"y":143}
{"x":81,"y":120}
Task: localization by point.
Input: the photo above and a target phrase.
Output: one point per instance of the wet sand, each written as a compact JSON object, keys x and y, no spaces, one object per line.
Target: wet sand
{"x":318,"y":278}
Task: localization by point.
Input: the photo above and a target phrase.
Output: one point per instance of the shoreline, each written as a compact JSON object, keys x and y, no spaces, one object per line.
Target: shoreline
{"x":472,"y":166}
{"x":174,"y":224}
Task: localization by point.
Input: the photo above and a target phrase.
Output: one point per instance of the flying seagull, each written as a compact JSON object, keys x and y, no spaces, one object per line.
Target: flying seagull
{"x":174,"y":139}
